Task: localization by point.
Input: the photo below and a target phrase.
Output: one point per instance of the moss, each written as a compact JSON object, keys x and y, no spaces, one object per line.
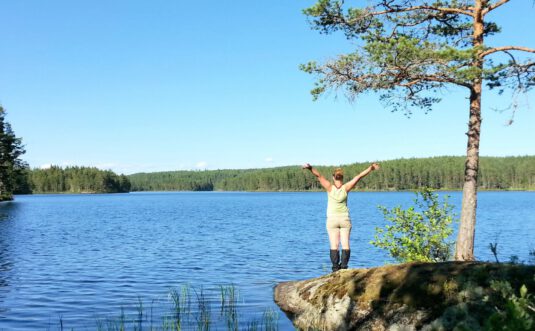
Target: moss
{"x":452,"y":293}
{"x":450,"y":289}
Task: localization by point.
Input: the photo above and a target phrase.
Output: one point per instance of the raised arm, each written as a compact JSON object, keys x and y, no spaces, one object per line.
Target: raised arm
{"x":324,"y":182}
{"x":351,"y":184}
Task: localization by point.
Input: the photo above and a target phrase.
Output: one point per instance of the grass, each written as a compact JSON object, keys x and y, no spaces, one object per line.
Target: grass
{"x":188,"y":308}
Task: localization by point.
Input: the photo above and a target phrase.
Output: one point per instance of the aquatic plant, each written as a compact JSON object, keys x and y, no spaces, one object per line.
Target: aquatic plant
{"x":188,"y":308}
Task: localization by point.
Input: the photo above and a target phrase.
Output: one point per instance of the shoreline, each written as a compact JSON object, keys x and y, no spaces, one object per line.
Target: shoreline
{"x":278,"y":191}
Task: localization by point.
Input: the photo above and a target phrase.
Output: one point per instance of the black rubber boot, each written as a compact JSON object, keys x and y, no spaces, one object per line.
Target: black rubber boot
{"x":335,"y":259}
{"x":346,"y":253}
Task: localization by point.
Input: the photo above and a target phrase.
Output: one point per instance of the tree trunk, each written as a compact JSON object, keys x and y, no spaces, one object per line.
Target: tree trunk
{"x":464,"y":250}
{"x":465,"y":240}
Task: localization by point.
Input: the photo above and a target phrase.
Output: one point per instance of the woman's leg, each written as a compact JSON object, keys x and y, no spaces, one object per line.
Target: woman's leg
{"x":334,"y":241}
{"x":334,"y":237}
{"x":345,"y":232}
{"x":344,"y":237}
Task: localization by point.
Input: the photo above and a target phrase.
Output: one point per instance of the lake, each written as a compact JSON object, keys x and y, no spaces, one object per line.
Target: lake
{"x":81,"y":259}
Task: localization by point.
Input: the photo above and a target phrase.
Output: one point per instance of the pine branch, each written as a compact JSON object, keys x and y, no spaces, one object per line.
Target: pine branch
{"x":514,"y":75}
{"x":446,"y":10}
{"x":390,"y":76}
{"x":494,"y":6}
{"x":428,"y":78}
{"x":506,"y":48}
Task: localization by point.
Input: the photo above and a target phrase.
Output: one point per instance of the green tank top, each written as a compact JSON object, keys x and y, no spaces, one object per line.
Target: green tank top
{"x":337,"y":202}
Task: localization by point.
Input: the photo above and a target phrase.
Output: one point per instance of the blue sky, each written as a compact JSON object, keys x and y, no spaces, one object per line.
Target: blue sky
{"x":164,"y":85}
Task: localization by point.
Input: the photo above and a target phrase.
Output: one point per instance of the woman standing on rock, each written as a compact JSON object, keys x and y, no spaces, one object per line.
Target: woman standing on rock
{"x":338,"y":220}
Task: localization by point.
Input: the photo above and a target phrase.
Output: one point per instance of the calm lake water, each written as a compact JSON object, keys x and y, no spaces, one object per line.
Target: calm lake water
{"x":81,"y":258}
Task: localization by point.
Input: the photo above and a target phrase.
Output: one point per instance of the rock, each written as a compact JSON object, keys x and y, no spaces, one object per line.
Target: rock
{"x":413,"y":296}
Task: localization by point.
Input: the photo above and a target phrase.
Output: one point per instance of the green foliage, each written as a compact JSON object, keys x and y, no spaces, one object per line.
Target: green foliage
{"x":514,"y":311}
{"x":77,"y":180}
{"x":12,"y":168}
{"x":418,"y":234}
{"x":21,"y":180}
{"x":409,"y":50}
{"x":445,"y":172}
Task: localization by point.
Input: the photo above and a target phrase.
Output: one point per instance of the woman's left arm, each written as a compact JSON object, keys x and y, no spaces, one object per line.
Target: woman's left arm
{"x":351,"y":184}
{"x":324,"y":182}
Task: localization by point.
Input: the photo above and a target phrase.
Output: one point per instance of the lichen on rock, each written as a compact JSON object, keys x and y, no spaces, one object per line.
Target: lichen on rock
{"x":412,"y":296}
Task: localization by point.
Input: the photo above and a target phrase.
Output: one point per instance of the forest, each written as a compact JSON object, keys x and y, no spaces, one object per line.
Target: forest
{"x":443,"y":173}
{"x":72,"y":180}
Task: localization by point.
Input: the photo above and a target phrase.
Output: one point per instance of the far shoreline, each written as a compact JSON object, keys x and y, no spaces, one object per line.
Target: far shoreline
{"x":266,"y":191}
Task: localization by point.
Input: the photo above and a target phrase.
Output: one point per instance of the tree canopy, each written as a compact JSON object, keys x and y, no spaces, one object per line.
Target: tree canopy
{"x":408,"y":50}
{"x":11,"y":166}
{"x":76,"y":180}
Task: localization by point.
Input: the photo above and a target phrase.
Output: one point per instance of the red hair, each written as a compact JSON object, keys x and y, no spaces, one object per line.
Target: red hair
{"x":338,"y":174}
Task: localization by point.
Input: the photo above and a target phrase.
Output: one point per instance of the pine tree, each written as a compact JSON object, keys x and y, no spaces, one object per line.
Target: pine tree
{"x":11,"y":166}
{"x":409,"y":50}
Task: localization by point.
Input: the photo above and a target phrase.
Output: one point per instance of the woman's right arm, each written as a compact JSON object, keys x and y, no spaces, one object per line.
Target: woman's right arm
{"x":324,"y":182}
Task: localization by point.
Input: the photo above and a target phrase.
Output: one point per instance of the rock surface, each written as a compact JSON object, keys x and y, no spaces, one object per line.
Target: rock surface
{"x":413,"y":296}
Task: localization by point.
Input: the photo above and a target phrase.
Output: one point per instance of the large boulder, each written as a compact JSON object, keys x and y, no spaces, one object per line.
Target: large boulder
{"x":413,"y":296}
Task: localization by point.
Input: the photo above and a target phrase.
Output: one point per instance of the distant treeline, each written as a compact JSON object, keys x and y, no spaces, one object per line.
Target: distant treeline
{"x":73,"y":180}
{"x":445,"y":172}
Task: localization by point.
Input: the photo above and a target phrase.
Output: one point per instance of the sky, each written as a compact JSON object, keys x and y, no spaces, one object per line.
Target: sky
{"x":143,"y":86}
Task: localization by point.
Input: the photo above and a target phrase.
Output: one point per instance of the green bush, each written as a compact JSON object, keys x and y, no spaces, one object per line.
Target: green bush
{"x":512,"y":312}
{"x":419,"y":233}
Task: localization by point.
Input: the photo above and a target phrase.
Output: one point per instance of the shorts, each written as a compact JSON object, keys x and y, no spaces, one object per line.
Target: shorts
{"x":342,"y":222}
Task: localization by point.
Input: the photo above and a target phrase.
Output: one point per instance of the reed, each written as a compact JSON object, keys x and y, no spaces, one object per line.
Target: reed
{"x":229,"y":307}
{"x":187,"y":308}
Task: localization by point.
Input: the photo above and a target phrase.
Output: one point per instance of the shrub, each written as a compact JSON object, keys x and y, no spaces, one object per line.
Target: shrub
{"x":512,"y":312}
{"x":419,"y":233}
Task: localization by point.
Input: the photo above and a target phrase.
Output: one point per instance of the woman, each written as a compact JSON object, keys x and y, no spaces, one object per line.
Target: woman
{"x":338,"y":220}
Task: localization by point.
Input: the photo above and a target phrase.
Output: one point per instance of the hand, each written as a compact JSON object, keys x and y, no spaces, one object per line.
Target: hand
{"x":375,"y":166}
{"x":307,"y":166}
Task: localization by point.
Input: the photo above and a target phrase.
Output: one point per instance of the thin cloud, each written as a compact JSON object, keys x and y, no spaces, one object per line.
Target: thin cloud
{"x":201,"y":165}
